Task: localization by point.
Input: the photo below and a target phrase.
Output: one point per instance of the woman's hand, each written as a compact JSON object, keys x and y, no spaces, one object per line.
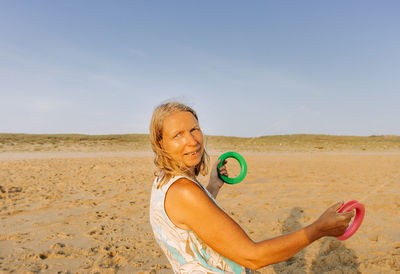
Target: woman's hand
{"x":333,"y":223}
{"x":215,"y":183}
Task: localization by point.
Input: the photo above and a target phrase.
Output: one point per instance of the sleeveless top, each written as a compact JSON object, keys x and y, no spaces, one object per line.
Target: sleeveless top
{"x":185,"y":251}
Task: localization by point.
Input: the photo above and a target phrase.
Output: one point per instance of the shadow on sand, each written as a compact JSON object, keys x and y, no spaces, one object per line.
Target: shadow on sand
{"x":333,"y":256}
{"x":297,"y":263}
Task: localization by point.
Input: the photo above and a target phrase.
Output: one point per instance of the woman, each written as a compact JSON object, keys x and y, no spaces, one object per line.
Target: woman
{"x":193,"y":231}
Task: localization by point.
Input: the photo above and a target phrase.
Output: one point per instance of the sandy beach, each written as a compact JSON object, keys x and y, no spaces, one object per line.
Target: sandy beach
{"x":88,"y":212}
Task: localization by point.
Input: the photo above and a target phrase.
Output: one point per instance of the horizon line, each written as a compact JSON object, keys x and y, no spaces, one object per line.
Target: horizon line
{"x":230,"y":136}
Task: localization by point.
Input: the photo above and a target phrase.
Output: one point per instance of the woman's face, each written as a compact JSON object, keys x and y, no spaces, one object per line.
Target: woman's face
{"x":182,"y":138}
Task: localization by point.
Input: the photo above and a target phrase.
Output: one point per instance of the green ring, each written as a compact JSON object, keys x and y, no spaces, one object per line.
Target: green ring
{"x":243,"y":167}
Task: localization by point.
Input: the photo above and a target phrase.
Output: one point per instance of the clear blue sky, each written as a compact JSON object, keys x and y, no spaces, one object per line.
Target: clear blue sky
{"x":249,"y":68}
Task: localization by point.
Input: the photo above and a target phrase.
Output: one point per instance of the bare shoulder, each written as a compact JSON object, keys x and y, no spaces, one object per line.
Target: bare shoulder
{"x":185,"y":191}
{"x":186,"y":202}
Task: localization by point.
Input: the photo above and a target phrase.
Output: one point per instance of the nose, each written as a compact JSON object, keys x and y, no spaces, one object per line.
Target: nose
{"x":191,"y":140}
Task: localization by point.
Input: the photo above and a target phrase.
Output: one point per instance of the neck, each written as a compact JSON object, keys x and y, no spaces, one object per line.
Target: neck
{"x":189,"y":173}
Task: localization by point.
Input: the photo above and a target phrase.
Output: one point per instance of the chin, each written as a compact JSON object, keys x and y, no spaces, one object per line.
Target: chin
{"x":193,"y":164}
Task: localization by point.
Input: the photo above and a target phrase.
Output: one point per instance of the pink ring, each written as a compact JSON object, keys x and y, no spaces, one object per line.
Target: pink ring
{"x":360,"y":213}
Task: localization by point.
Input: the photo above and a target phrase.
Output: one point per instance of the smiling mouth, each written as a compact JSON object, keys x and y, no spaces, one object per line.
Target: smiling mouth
{"x":193,"y":153}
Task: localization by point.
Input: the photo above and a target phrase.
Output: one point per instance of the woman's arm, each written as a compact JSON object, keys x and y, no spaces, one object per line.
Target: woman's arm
{"x":215,"y":183}
{"x":186,"y":204}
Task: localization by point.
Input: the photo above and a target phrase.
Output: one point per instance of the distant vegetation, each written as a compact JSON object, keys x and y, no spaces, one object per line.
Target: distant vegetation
{"x":307,"y":143}
{"x":73,"y":142}
{"x":140,"y":142}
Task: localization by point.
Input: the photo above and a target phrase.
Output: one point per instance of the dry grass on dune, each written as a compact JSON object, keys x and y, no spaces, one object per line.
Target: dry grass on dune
{"x":73,"y":142}
{"x":140,"y":142}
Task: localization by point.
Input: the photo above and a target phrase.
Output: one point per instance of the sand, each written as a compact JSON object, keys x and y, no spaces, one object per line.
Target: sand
{"x":88,"y":212}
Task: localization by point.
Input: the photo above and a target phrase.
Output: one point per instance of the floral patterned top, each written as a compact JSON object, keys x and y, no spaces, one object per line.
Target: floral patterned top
{"x":185,"y":251}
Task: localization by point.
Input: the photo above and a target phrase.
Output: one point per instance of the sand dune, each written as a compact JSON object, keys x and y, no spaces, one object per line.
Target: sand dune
{"x":88,"y":212}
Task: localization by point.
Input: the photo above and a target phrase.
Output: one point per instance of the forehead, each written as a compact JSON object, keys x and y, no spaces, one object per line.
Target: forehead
{"x":179,"y":120}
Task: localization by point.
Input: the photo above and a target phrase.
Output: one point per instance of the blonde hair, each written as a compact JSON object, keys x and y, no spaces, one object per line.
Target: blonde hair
{"x":166,"y":167}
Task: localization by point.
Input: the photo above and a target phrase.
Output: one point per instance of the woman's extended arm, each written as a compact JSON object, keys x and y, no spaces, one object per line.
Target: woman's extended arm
{"x":187,"y":205}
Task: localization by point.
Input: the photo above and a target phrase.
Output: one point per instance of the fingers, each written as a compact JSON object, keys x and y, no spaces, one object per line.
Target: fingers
{"x":345,"y":219}
{"x":337,"y":205}
{"x":219,"y":161}
{"x":349,"y":214}
{"x":223,"y":170}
